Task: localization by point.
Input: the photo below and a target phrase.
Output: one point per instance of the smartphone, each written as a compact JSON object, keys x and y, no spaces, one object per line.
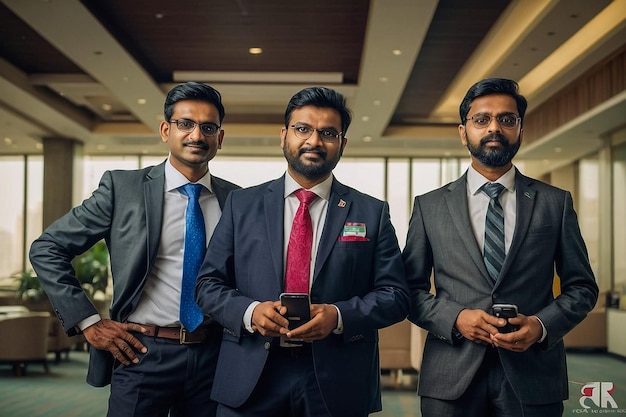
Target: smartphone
{"x":505,"y":311}
{"x":298,"y":313}
{"x":298,"y":308}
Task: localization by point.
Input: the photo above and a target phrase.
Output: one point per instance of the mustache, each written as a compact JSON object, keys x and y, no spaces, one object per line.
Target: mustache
{"x":497,"y":137}
{"x":318,"y":151}
{"x":199,"y":144}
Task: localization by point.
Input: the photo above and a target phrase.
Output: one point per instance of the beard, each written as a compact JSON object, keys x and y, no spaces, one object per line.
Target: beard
{"x":310,"y":170}
{"x":493,"y":157}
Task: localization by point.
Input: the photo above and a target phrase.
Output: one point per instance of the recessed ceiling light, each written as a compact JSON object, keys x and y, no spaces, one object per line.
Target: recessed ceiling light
{"x":396,"y":52}
{"x":142,"y":101}
{"x":8,"y":141}
{"x":376,"y":102}
{"x":383,"y":79}
{"x":255,"y":51}
{"x":159,"y":15}
{"x":365,"y":118}
{"x":106,"y":107}
{"x":367,"y":138}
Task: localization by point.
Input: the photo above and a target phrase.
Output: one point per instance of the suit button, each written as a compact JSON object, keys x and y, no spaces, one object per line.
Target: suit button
{"x":267,"y":345}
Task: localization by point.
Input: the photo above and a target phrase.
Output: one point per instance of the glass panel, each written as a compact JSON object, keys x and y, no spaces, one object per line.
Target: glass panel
{"x":398,"y":196}
{"x":365,"y":174}
{"x":619,"y":218}
{"x":95,"y":166}
{"x":426,"y":176}
{"x":34,"y":208}
{"x":588,"y":207}
{"x":246,"y":172}
{"x":11,"y":216}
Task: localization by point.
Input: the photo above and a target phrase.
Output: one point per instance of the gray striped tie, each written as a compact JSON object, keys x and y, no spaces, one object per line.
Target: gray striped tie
{"x":494,"y":230}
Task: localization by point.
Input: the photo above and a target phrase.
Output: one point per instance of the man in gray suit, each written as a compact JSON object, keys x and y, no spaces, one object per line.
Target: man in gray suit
{"x":471,"y":367}
{"x":155,"y":365}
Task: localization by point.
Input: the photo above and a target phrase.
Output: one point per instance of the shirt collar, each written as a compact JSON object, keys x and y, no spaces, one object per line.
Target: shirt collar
{"x":322,"y":189}
{"x":174,"y":179}
{"x":475,"y":180}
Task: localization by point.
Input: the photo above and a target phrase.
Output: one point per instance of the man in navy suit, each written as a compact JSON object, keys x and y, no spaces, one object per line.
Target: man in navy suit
{"x":471,"y":367}
{"x":154,"y":365}
{"x":356,"y":283}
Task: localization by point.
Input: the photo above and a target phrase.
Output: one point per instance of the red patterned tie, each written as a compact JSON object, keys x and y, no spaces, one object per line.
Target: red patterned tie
{"x":299,"y":249}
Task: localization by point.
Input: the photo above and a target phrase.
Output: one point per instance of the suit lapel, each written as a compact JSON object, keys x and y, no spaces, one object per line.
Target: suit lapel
{"x":153,"y":200}
{"x":525,"y":204}
{"x":338,"y":208}
{"x":220,"y":192}
{"x":457,"y":203}
{"x":274,"y":207}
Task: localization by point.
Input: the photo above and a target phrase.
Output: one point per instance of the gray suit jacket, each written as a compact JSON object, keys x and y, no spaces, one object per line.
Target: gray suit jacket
{"x":126,"y":210}
{"x":547,"y":236}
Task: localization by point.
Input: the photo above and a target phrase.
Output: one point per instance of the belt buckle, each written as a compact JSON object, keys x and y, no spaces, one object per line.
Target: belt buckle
{"x":185,"y":338}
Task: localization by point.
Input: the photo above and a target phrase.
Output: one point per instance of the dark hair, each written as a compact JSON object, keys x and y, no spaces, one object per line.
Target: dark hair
{"x":490,"y":86}
{"x":320,"y":97}
{"x":192,"y":91}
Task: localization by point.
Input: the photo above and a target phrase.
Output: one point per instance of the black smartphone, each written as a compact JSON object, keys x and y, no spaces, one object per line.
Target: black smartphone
{"x":298,"y":313}
{"x":505,"y":311}
{"x":298,"y":308}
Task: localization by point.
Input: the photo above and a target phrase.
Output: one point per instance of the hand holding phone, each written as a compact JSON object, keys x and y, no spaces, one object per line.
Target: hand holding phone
{"x":298,"y":313}
{"x":505,"y":311}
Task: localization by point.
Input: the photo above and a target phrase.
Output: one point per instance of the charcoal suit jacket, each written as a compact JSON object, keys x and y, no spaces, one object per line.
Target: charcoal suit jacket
{"x":546,"y":239}
{"x":127,"y":211}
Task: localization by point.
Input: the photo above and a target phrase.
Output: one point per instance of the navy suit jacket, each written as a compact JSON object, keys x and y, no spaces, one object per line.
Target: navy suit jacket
{"x":364,"y":279}
{"x":546,"y":237}
{"x":127,"y":211}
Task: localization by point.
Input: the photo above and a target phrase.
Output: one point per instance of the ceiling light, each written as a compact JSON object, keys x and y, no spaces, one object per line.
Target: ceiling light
{"x":376,"y":102}
{"x":396,"y":52}
{"x":106,"y":107}
{"x":8,"y":141}
{"x":367,"y":138}
{"x":383,"y":79}
{"x":365,"y":118}
{"x":159,"y":15}
{"x":142,"y":101}
{"x":255,"y":51}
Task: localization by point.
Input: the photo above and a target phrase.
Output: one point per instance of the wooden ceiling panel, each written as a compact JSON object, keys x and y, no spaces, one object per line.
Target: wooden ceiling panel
{"x":187,"y":35}
{"x":458,"y":28}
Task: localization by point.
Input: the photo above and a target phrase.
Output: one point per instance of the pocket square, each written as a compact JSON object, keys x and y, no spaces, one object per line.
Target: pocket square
{"x":353,"y":239}
{"x":353,"y":232}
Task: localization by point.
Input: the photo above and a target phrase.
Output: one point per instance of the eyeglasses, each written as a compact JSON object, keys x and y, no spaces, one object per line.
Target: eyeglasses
{"x":507,"y":120}
{"x":187,"y":126}
{"x":327,"y":135}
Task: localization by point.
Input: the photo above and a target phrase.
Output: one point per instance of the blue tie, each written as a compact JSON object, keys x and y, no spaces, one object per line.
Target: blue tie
{"x":195,"y":245}
{"x":494,"y":231}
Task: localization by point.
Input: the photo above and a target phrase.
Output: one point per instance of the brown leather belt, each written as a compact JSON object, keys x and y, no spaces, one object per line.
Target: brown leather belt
{"x":181,"y":334}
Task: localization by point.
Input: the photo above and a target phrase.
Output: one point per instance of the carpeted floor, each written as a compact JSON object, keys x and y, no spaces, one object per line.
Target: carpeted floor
{"x":64,"y":393}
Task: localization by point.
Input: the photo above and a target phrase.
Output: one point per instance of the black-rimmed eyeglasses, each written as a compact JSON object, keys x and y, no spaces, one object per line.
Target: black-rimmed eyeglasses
{"x":326,"y":135}
{"x":187,"y":126}
{"x":506,"y":120}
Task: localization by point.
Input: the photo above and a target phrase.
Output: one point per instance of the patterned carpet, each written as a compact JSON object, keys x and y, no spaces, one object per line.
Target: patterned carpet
{"x":64,"y":393}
